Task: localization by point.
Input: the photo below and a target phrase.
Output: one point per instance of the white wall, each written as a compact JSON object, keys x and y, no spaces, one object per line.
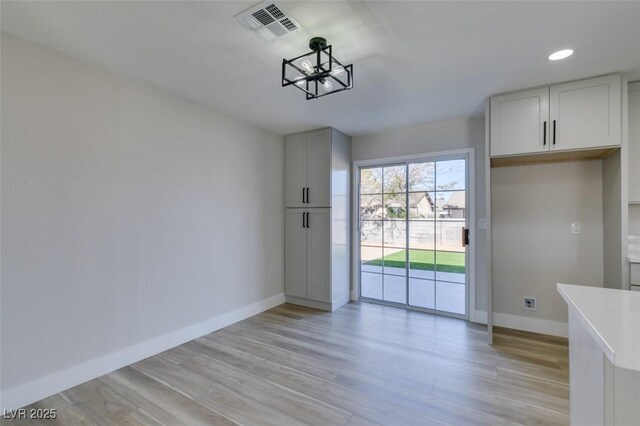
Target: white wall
{"x":533,"y":248}
{"x":127,"y":214}
{"x":432,"y":138}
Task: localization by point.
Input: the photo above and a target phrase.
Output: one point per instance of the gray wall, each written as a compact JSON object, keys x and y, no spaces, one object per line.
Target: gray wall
{"x":533,"y":247}
{"x":127,"y":213}
{"x":432,"y":138}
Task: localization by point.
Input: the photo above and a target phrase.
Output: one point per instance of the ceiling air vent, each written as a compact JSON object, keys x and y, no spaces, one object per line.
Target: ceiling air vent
{"x":268,"y":21}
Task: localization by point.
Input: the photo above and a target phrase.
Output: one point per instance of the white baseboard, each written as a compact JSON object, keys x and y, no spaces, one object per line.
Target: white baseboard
{"x":478,"y":316}
{"x":534,"y":325}
{"x":340,"y":302}
{"x":33,"y":391}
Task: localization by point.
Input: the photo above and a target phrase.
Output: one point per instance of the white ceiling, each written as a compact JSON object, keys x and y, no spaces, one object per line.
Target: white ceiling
{"x":414,"y":62}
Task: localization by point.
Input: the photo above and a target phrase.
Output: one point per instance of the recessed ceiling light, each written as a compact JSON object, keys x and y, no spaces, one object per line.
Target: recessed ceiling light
{"x":560,"y":54}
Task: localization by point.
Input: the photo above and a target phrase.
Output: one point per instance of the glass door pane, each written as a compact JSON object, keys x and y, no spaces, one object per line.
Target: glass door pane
{"x":394,"y":185}
{"x":371,"y":249}
{"x":421,"y":224}
{"x":450,"y":223}
{"x":383,"y":233}
{"x":412,"y":222}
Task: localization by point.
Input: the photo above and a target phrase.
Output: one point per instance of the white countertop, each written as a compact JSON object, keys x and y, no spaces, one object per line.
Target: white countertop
{"x":612,"y":318}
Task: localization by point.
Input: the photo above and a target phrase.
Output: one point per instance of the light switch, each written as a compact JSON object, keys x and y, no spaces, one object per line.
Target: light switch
{"x":576,"y":228}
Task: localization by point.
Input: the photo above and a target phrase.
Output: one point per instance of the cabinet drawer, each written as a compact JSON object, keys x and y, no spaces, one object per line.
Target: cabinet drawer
{"x":635,"y":274}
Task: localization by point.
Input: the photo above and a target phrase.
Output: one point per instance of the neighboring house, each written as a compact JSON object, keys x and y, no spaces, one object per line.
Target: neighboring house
{"x":450,"y":208}
{"x":454,"y":207}
{"x":424,"y":207}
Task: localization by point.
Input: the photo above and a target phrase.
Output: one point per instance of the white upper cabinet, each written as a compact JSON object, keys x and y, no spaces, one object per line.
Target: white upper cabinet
{"x":634,"y":143}
{"x":319,"y":169}
{"x":295,"y":148}
{"x":586,"y":113}
{"x":519,"y":122}
{"x":308,"y":169}
{"x":571,"y":116}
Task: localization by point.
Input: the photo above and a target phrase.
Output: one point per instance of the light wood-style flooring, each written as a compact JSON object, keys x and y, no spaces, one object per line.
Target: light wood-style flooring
{"x":361,"y":365}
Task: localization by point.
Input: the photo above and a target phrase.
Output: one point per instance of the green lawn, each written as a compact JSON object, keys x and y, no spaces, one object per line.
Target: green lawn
{"x":424,"y":260}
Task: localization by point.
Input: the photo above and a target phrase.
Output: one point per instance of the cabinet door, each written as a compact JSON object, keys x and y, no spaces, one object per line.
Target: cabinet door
{"x":634,"y":143}
{"x":586,"y":113}
{"x":318,"y":255}
{"x":519,"y":122}
{"x":319,"y":168}
{"x":295,"y":164}
{"x":295,"y":263}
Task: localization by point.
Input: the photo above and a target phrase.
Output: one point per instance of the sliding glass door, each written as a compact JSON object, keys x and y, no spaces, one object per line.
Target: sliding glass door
{"x":412,"y":226}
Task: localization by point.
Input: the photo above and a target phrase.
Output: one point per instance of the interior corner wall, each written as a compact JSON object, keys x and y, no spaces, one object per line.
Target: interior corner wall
{"x":433,"y":138}
{"x":127,"y":214}
{"x":533,"y":208}
{"x":613,"y":221}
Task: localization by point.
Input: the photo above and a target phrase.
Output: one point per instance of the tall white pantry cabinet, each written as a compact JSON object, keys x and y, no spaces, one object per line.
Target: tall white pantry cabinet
{"x":317,"y":226}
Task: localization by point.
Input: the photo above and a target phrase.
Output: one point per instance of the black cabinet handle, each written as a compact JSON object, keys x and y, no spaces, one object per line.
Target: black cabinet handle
{"x":304,"y":220}
{"x":303,"y":189}
{"x":554,"y":132}
{"x":308,"y":222}
{"x":308,"y":192}
{"x":544,"y":134}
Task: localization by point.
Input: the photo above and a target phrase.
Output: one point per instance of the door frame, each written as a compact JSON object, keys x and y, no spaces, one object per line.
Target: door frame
{"x":469,"y":153}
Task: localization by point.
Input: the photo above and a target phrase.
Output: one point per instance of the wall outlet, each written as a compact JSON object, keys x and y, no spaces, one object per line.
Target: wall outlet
{"x":529,"y":303}
{"x":482,"y":223}
{"x":576,"y":228}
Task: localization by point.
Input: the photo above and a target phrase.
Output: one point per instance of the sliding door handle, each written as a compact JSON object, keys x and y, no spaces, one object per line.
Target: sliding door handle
{"x":554,"y":132}
{"x":465,"y":237}
{"x":544,"y":134}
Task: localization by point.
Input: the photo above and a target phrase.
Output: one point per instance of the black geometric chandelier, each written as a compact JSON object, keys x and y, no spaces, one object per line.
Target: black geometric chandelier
{"x":317,"y":73}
